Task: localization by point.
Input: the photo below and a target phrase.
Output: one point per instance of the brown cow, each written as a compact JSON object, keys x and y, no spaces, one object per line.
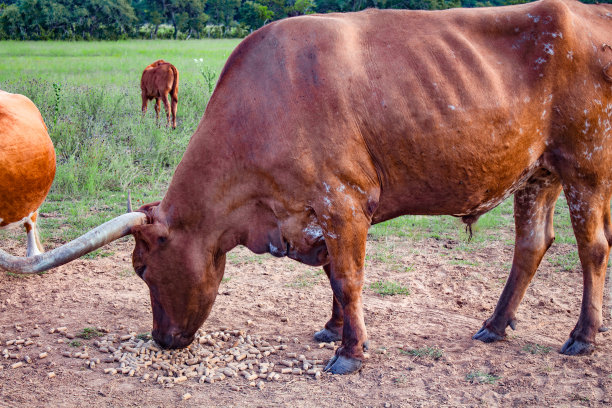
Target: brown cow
{"x":321,"y":126}
{"x":159,"y":80}
{"x":27,"y":165}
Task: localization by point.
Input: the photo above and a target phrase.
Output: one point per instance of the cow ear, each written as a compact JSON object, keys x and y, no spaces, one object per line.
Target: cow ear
{"x":150,"y":210}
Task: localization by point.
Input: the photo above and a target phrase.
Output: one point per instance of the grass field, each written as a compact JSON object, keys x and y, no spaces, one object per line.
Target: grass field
{"x":89,"y":95}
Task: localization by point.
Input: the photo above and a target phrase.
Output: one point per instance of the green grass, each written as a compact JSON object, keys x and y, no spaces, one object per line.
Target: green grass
{"x":89,"y":96}
{"x":567,"y":262}
{"x":535,"y":348}
{"x":389,"y":288}
{"x":89,"y":333}
{"x":480,"y":377}
{"x":427,"y":352}
{"x":144,"y":336}
{"x":308,"y":279}
{"x":75,"y":343}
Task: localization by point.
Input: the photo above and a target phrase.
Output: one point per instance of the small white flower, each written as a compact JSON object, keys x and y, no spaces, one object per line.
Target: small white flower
{"x":201,"y":59}
{"x":195,"y":60}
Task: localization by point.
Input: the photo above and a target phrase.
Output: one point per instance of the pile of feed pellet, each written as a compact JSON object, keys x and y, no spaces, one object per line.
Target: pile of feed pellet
{"x":212,"y":357}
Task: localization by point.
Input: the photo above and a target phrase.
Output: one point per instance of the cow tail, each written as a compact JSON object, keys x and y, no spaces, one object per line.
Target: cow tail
{"x":175,"y":84}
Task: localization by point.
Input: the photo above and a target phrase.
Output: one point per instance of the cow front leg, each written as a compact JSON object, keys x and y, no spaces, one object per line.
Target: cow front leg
{"x":534,"y":207}
{"x":34,"y":245}
{"x":590,"y":214}
{"x":333,"y":328}
{"x":346,"y":247}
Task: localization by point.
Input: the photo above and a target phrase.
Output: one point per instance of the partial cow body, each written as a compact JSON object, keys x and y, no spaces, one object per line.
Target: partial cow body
{"x":159,"y":81}
{"x":321,"y":126}
{"x":27,"y":165}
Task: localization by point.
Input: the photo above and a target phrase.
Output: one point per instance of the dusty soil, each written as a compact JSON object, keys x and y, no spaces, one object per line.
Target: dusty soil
{"x":452,"y":292}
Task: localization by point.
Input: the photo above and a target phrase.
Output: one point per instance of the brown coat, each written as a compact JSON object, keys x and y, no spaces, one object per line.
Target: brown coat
{"x":160,"y":80}
{"x":321,"y":126}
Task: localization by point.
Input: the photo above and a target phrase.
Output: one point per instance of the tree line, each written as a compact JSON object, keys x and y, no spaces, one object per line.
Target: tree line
{"x":179,"y":19}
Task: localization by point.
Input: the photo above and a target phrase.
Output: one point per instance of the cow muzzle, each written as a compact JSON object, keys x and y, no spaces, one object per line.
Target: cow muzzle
{"x":171,"y":340}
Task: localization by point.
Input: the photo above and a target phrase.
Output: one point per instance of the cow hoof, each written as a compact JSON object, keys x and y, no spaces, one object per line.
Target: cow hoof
{"x":603,"y":329}
{"x":573,"y":347}
{"x":327,"y":336}
{"x":486,"y":336}
{"x":343,"y":365}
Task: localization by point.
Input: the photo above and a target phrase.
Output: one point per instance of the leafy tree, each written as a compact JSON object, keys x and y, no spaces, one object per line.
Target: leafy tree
{"x":222,"y":11}
{"x":11,"y":22}
{"x":301,"y":7}
{"x":254,"y":14}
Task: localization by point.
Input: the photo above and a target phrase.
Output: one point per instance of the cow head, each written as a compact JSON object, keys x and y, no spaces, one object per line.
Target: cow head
{"x":183,"y":279}
{"x":182,"y":276}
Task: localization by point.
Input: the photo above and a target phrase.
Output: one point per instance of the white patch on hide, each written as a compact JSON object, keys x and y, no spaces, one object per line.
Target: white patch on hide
{"x":534,"y":18}
{"x":548,"y":48}
{"x":313,"y":231}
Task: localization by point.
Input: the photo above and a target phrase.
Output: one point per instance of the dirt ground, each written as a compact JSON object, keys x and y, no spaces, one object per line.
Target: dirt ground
{"x":451,"y":293}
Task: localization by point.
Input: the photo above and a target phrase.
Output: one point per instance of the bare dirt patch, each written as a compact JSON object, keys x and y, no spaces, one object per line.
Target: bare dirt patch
{"x":421,"y":350}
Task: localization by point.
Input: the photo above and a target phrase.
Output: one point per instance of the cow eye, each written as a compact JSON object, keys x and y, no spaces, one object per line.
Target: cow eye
{"x":140,"y":271}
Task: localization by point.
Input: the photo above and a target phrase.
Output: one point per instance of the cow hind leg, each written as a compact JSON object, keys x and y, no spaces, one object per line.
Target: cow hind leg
{"x":173,"y":106}
{"x":166,"y":108}
{"x":590,"y":214}
{"x":534,"y":207}
{"x":157,"y":109}
{"x":145,"y":102}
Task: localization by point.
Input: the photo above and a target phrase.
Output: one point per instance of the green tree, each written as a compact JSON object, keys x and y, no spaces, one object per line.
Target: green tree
{"x":222,"y":11}
{"x":254,"y":14}
{"x":11,"y":23}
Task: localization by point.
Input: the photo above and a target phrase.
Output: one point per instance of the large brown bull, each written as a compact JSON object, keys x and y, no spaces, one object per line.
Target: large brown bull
{"x":27,"y":165}
{"x":321,"y":126}
{"x":159,"y":81}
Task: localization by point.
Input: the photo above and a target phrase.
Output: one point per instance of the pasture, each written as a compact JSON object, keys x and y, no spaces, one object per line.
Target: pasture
{"x":427,"y":288}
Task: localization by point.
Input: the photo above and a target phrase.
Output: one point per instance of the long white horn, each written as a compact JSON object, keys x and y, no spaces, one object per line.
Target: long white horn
{"x":109,"y":231}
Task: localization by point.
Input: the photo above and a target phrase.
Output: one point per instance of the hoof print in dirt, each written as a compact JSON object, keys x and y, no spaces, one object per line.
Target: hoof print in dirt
{"x":487,"y":336}
{"x":343,"y":365}
{"x":573,"y":347}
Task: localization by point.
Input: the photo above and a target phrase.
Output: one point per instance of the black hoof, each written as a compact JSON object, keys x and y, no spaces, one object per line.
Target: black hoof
{"x":573,"y":347}
{"x":487,"y":336}
{"x":327,"y":336}
{"x":603,"y":329}
{"x":343,"y":365}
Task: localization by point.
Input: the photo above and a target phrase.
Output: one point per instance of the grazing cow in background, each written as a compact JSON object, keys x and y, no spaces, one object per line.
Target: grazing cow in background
{"x":27,"y":165}
{"x":160,"y":80}
{"x":321,"y":126}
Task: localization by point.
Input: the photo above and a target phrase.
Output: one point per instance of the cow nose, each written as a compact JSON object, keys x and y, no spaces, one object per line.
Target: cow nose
{"x":171,"y":340}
